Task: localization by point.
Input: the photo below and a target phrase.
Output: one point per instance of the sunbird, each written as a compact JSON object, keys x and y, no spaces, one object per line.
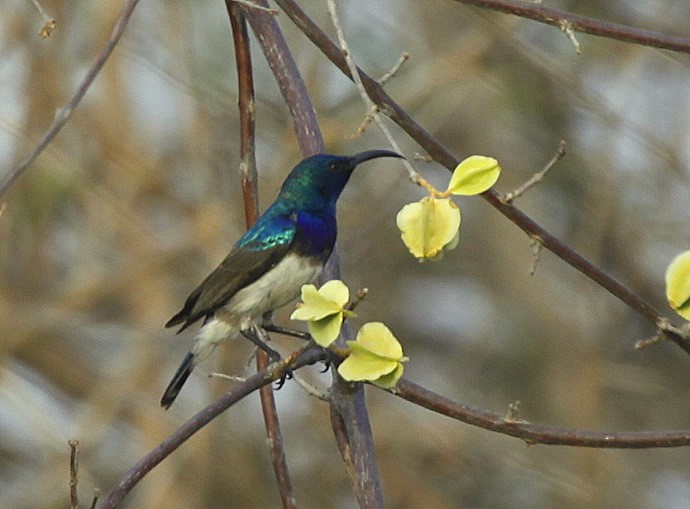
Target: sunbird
{"x":286,"y":248}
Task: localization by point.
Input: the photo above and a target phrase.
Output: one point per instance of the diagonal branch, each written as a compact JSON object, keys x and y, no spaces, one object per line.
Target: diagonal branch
{"x":64,"y":113}
{"x":583,"y":24}
{"x":248,"y":176}
{"x":538,"y":433}
{"x":290,"y":82}
{"x":303,"y":357}
{"x":441,"y":154}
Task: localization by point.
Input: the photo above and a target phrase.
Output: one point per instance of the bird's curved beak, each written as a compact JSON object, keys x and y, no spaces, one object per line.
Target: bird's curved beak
{"x":372,"y":154}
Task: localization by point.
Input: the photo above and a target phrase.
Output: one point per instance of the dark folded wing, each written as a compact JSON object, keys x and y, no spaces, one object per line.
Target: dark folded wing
{"x":240,"y":268}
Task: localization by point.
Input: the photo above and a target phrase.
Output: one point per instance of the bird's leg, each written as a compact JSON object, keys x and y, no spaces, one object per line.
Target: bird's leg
{"x":271,"y":327}
{"x":253,"y":336}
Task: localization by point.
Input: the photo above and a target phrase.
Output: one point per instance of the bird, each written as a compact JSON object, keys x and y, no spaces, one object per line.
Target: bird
{"x":266,"y":268}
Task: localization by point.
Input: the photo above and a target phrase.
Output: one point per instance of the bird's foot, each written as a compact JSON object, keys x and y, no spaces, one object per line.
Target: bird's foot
{"x":287,"y":375}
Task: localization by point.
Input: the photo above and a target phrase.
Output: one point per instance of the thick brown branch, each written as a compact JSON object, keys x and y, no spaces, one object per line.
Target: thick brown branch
{"x":584,"y":24}
{"x":289,"y":79}
{"x":441,"y":154}
{"x":539,"y":433}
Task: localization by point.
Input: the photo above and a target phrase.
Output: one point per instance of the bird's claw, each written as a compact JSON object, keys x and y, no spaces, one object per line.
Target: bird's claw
{"x":326,"y":366}
{"x":281,"y":381}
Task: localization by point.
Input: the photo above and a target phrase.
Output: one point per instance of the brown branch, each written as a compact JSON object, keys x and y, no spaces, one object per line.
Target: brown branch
{"x":351,"y":404}
{"x":73,"y":474}
{"x":247,"y":108}
{"x":289,"y":80}
{"x":248,"y":177}
{"x":539,"y":433}
{"x":303,"y":357}
{"x":350,"y":421}
{"x":442,"y":155}
{"x":584,"y":24}
{"x":64,"y":113}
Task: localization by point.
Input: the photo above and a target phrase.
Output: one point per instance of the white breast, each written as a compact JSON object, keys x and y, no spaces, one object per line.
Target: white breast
{"x":276,"y":288}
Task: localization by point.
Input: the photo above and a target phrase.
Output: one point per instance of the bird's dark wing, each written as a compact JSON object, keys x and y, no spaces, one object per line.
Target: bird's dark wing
{"x":248,"y":261}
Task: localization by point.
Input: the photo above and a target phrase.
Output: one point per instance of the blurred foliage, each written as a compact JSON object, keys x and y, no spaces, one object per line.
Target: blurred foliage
{"x":138,"y":198}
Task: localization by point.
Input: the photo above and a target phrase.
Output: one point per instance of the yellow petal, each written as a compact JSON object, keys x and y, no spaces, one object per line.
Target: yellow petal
{"x":363,"y":365}
{"x":326,"y":330}
{"x":389,"y":380}
{"x":428,"y":225}
{"x":376,"y":338}
{"x":678,"y":284}
{"x":315,"y":306}
{"x":474,"y":175}
{"x":335,"y":291}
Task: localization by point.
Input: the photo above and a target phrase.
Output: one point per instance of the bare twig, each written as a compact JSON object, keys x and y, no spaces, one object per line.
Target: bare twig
{"x":231,"y":378}
{"x":566,"y":27}
{"x":303,"y":357}
{"x":537,"y":177}
{"x":73,"y":474}
{"x":252,"y":5}
{"x":538,"y":433}
{"x":372,"y":108}
{"x":64,"y":113}
{"x":359,"y":297}
{"x":311,"y":390}
{"x":96,"y":496}
{"x":537,"y":246}
{"x":441,"y":154}
{"x":584,"y":24}
{"x":403,"y":58}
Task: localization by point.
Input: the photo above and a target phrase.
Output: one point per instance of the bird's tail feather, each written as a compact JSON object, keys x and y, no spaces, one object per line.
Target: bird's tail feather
{"x":178,"y":381}
{"x":212,"y":333}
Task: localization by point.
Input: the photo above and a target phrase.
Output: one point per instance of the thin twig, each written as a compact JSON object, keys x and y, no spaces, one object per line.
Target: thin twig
{"x":566,"y":27}
{"x":539,"y":176}
{"x":231,"y":378}
{"x":252,"y":5}
{"x":584,"y":24}
{"x":537,"y":246}
{"x":73,"y":474}
{"x":403,"y":58}
{"x":372,"y":108}
{"x":538,"y":433}
{"x":96,"y":496}
{"x":64,"y":113}
{"x":441,"y":154}
{"x":311,"y":390}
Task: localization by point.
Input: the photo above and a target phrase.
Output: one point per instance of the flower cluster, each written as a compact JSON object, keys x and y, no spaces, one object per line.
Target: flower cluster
{"x":375,"y":355}
{"x":432,"y":225}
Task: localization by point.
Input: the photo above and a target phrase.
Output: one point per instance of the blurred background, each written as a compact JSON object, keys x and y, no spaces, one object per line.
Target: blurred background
{"x":137,"y":199}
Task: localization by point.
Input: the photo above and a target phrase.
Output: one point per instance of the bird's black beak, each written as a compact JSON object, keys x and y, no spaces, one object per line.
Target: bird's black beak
{"x":372,"y":154}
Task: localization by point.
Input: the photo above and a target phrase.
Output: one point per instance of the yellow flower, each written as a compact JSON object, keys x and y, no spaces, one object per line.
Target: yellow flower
{"x":678,"y":284}
{"x":428,"y":226}
{"x":323,"y":309}
{"x":375,"y":356}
